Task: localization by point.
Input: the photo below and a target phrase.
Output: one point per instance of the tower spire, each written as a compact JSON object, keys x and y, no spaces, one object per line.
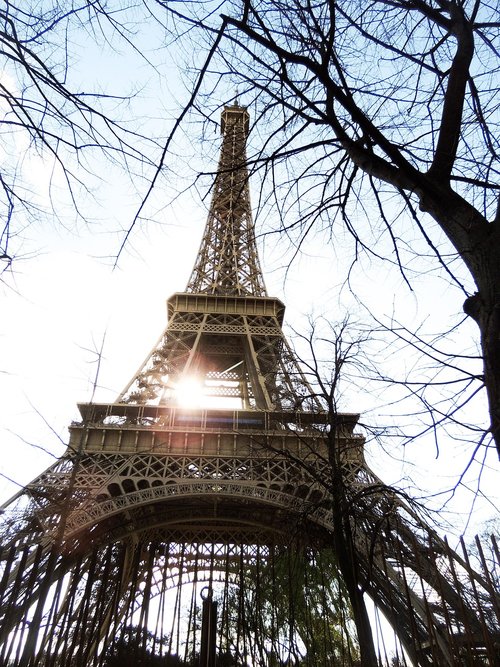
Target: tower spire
{"x":227,"y":262}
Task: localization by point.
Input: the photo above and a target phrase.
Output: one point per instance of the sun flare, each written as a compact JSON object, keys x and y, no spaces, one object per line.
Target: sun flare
{"x":190,"y":393}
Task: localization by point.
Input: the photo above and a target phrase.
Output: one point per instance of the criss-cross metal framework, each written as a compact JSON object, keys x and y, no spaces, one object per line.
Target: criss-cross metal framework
{"x":217,"y":467}
{"x":228,"y":262}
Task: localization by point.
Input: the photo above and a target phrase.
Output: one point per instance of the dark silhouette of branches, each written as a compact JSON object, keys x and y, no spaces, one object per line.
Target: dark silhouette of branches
{"x":379,"y":116}
{"x":334,"y":360}
{"x":49,"y":113}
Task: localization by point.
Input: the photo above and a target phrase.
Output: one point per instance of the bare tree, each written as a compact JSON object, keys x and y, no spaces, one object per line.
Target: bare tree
{"x":345,"y":352}
{"x":53,"y":110}
{"x":364,"y":508}
{"x":365,"y":101}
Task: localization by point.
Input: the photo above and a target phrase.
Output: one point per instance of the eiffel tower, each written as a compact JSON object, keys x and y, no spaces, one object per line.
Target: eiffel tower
{"x":219,"y":513}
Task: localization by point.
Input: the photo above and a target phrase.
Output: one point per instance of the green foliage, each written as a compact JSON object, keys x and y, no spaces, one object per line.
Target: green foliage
{"x":296,"y":611}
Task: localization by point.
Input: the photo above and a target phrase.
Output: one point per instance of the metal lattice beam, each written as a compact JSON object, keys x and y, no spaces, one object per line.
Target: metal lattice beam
{"x":227,"y":262}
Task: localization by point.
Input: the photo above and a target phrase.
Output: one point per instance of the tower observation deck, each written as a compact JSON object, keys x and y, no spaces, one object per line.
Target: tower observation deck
{"x":219,"y":473}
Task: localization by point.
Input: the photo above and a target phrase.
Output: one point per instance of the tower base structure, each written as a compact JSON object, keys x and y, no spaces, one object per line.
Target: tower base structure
{"x":150,"y":501}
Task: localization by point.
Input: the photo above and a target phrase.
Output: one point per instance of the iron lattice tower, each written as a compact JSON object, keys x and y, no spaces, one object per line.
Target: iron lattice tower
{"x":228,"y":262}
{"x":234,"y":493}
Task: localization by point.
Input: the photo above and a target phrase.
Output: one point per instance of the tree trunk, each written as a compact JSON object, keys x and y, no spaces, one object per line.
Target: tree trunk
{"x":484,"y":308}
{"x":477,"y":241}
{"x":490,"y":340}
{"x":344,"y":547}
{"x":343,"y":541}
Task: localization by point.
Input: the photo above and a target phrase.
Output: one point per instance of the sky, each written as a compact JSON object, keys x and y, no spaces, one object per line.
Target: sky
{"x":63,"y":300}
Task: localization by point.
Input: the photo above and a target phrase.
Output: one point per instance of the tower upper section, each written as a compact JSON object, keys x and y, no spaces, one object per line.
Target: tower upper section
{"x":227,"y":262}
{"x":224,"y":347}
